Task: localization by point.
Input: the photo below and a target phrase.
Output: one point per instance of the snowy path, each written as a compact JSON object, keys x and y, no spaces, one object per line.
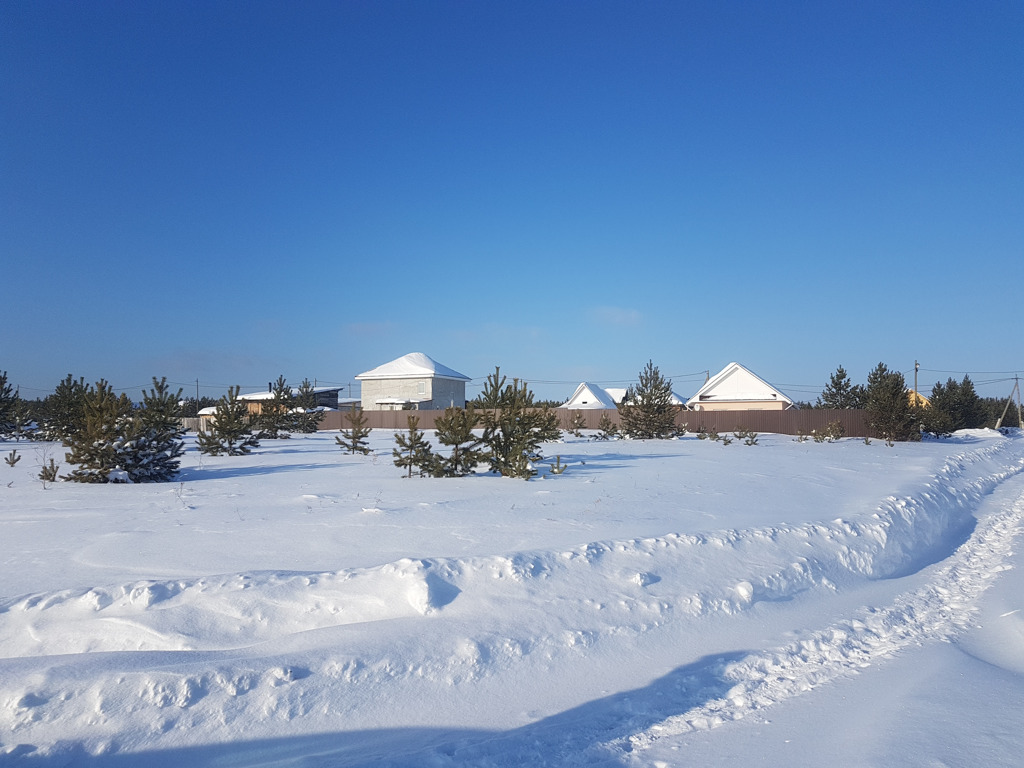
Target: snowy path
{"x":525,"y":657}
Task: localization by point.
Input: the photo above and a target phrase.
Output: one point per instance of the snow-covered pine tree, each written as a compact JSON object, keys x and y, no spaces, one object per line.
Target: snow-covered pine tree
{"x":413,"y":451}
{"x":100,"y":446}
{"x":647,"y":411}
{"x":353,"y":439}
{"x":576,"y":423}
{"x":841,"y":393}
{"x":455,"y":429}
{"x":64,"y":410}
{"x":230,"y":431}
{"x":307,"y":417}
{"x":513,"y":428}
{"x":276,"y":419}
{"x":157,"y":446}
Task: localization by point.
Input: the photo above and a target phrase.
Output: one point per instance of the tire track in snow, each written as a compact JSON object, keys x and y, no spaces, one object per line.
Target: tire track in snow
{"x":937,"y":611}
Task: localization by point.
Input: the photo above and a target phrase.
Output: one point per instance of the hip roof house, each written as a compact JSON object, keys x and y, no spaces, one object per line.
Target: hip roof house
{"x":735,"y":388}
{"x":412,"y":382}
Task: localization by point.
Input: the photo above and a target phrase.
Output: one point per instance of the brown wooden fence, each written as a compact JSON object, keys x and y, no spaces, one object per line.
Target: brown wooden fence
{"x":790,"y":422}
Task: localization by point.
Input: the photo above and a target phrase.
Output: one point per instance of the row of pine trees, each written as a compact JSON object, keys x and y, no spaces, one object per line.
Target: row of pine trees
{"x":111,"y":439}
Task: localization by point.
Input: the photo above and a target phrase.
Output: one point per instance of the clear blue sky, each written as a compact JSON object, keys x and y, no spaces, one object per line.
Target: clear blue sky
{"x":234,"y":191}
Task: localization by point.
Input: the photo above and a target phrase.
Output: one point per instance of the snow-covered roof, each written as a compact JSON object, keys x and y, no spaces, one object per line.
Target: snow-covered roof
{"x":295,"y":393}
{"x":589,"y":396}
{"x":736,"y":384}
{"x":413,"y":365}
{"x":617,"y":394}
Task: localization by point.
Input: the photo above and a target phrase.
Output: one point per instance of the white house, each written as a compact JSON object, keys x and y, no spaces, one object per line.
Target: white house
{"x":735,"y":388}
{"x":414,"y":381}
{"x":588,"y":395}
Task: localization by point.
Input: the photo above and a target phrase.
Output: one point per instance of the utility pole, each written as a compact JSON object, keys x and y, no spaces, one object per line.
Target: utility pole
{"x":1016,"y":388}
{"x":1016,"y":385}
{"x":917,"y":365}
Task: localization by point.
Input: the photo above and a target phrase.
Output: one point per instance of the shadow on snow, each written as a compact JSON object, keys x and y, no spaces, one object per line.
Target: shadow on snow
{"x":572,"y":737}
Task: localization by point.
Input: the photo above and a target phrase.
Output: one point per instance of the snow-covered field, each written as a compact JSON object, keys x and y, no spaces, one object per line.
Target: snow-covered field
{"x":661,"y":603}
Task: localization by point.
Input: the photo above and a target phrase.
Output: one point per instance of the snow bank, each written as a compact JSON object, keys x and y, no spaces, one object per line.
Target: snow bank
{"x":502,"y":639}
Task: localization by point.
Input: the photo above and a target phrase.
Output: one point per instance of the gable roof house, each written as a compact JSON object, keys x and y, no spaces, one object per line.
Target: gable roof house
{"x":588,"y":395}
{"x":735,"y":388}
{"x":414,"y":382}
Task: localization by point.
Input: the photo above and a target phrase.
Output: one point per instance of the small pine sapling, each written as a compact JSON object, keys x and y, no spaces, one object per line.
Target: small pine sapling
{"x":307,"y":416}
{"x":455,"y":429}
{"x":12,"y":458}
{"x":230,"y":429}
{"x":353,"y":439}
{"x":48,"y":473}
{"x":606,"y":429}
{"x":747,"y":436}
{"x":576,"y":423}
{"x":831,"y":432}
{"x":276,"y":418}
{"x":413,"y":451}
{"x":513,"y":427}
{"x":558,"y":467}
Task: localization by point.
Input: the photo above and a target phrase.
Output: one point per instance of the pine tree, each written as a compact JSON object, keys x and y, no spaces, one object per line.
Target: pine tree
{"x":576,"y":423}
{"x":513,"y":428}
{"x":24,"y":423}
{"x":606,"y":428}
{"x":353,"y":439}
{"x":276,"y":418}
{"x":230,"y":431}
{"x":888,"y":406}
{"x":841,"y":393}
{"x":155,"y":451}
{"x":413,"y":451}
{"x":647,"y":411}
{"x":64,"y":410}
{"x":9,"y":407}
{"x":100,"y":447}
{"x":308,"y":416}
{"x":455,"y":429}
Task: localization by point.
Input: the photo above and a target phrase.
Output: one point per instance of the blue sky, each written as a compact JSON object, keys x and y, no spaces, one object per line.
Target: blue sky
{"x":234,"y":191}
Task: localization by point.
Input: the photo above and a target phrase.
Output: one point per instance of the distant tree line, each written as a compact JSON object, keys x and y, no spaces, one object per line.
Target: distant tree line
{"x":897,"y":415}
